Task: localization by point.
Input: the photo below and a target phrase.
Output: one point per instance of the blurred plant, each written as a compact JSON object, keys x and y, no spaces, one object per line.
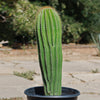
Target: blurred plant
{"x":6,"y":32}
{"x":28,"y":75}
{"x":76,"y":17}
{"x":96,"y":40}
{"x":95,"y":71}
{"x":94,"y":27}
{"x":72,"y":30}
{"x":24,"y":19}
{"x":19,"y":19}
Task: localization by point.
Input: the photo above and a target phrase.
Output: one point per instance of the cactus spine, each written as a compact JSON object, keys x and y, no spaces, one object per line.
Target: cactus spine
{"x":49,"y":36}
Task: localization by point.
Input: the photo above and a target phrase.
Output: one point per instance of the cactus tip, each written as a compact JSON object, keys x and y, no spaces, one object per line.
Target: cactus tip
{"x":47,"y":7}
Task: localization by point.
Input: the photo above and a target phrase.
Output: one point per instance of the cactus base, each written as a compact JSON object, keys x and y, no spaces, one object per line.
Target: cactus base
{"x":37,"y":93}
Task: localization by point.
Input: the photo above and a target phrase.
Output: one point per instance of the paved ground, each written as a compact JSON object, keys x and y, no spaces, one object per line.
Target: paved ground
{"x":76,"y":74}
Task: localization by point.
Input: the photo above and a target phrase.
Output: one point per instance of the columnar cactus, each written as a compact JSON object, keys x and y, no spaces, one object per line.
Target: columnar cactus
{"x":49,"y":36}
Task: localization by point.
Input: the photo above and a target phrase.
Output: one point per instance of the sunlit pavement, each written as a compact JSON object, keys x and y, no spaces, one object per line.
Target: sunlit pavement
{"x":76,"y":74}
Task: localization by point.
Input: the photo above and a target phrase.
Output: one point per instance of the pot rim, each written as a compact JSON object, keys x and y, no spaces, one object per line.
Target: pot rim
{"x":77,"y":93}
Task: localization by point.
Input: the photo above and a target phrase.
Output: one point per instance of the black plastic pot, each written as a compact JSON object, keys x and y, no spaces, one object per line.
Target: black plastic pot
{"x":37,"y":93}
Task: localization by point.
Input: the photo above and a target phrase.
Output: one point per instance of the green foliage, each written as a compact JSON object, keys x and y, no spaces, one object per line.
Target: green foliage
{"x":24,"y":17}
{"x":28,"y":75}
{"x":95,"y":71}
{"x":94,"y":27}
{"x":76,"y":16}
{"x":72,"y":30}
{"x":96,"y":40}
{"x":49,"y":35}
{"x":19,"y":20}
{"x":5,"y":29}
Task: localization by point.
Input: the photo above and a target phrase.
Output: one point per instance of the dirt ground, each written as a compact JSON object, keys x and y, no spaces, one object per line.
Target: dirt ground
{"x":71,"y":52}
{"x":81,"y":70}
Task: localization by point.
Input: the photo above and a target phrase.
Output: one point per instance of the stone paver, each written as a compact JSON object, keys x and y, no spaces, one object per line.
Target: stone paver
{"x":7,"y":67}
{"x":89,"y":97}
{"x":71,"y":66}
{"x":13,"y":86}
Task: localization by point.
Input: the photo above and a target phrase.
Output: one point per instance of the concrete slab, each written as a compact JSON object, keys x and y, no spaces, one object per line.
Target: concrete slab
{"x":13,"y":86}
{"x":80,"y":66}
{"x":89,"y":97}
{"x":7,"y":67}
{"x":76,"y":74}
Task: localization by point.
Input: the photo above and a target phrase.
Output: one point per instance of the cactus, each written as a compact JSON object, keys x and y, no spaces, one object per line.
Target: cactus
{"x":49,"y":39}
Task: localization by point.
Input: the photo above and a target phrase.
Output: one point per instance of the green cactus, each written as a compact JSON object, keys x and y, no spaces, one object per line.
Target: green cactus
{"x":49,"y":39}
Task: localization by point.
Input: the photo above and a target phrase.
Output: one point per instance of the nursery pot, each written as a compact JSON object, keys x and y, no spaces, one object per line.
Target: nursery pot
{"x":37,"y":93}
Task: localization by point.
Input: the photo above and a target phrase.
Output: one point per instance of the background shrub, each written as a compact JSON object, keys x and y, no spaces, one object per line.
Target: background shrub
{"x":20,"y":20}
{"x":17,"y":19}
{"x":24,"y":20}
{"x":6,"y":32}
{"x":76,"y":16}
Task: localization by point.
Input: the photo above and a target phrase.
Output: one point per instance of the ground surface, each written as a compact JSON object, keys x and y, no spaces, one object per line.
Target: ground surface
{"x":79,"y":62}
